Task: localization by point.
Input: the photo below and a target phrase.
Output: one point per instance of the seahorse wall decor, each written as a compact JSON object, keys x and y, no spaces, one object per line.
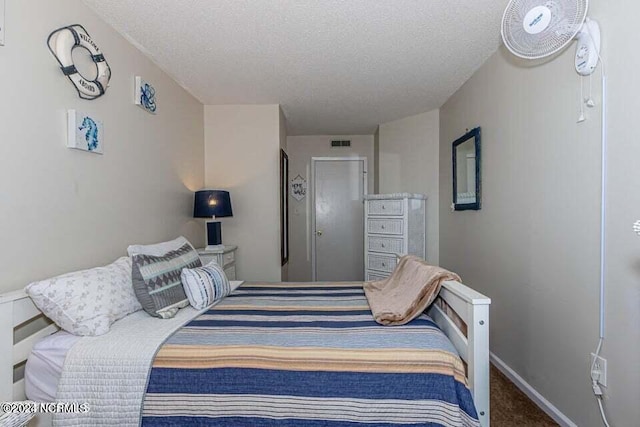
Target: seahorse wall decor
{"x":85,"y":132}
{"x":91,"y":135}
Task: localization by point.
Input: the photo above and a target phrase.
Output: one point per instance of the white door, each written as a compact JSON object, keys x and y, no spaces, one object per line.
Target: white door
{"x":339,"y":186}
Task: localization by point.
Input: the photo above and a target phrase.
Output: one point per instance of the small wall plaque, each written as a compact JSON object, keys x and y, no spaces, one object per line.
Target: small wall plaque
{"x":298,"y":188}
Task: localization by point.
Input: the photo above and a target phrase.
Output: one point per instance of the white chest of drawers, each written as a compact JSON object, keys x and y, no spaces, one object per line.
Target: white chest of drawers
{"x":395,"y":224}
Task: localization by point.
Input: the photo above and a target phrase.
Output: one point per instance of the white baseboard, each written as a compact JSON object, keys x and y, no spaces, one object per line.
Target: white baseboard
{"x":536,"y":397}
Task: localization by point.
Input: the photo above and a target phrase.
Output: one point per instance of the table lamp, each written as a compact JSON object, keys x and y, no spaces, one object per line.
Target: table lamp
{"x":212,"y":204}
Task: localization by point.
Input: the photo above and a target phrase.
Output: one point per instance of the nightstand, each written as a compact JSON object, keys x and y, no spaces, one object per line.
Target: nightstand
{"x":225,"y":257}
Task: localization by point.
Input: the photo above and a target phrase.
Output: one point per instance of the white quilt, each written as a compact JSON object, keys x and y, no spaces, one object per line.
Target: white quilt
{"x":110,"y":372}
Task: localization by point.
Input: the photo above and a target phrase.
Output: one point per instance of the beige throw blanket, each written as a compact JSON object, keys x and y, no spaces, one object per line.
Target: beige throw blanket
{"x":405,"y":294}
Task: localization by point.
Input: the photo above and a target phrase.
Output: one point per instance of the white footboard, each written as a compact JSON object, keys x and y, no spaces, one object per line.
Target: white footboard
{"x":472,"y":308}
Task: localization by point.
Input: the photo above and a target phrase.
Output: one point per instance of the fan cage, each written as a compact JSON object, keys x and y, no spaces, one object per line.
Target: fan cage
{"x":567,"y":17}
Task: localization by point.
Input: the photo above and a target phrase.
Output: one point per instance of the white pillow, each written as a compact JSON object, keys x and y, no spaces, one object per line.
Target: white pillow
{"x":158,"y":249}
{"x":205,"y":285}
{"x":87,"y":302}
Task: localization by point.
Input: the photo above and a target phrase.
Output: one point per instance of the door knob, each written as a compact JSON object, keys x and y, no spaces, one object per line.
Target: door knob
{"x":319,"y":232}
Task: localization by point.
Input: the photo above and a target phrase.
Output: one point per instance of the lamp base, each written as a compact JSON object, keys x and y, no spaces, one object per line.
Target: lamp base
{"x":214,"y":235}
{"x":214,"y":248}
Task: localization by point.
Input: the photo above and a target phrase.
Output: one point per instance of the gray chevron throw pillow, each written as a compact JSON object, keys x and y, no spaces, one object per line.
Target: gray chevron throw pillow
{"x":156,"y":280}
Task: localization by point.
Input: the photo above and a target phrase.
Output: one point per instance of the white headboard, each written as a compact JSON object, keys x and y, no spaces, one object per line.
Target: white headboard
{"x":16,"y":309}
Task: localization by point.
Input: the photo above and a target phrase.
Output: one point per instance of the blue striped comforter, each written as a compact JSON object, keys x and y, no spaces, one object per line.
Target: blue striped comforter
{"x":305,"y":354}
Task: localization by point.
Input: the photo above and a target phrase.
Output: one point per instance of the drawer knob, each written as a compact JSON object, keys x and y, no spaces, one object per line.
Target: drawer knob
{"x":383,"y":207}
{"x":383,"y":264}
{"x":382,"y":245}
{"x":383,"y":227}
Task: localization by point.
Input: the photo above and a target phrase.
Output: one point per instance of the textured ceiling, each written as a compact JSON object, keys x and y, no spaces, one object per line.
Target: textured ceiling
{"x":335,"y":66}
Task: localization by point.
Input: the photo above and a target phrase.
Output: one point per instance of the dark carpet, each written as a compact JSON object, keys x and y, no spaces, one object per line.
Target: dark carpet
{"x":512,"y":408}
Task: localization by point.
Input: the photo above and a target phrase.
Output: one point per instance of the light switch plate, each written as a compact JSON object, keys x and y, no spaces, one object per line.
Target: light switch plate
{"x":2,"y":32}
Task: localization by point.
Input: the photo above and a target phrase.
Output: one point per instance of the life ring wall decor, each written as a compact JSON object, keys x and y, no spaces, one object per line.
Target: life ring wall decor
{"x":62,"y":42}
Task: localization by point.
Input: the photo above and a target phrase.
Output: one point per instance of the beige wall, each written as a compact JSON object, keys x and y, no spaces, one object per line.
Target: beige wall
{"x":301,"y":149}
{"x":408,"y":162}
{"x":376,"y":162}
{"x":533,"y":248}
{"x":65,"y":209}
{"x":242,"y":155}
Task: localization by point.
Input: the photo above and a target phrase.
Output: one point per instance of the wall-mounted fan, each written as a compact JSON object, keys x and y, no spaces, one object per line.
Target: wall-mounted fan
{"x":534,"y":29}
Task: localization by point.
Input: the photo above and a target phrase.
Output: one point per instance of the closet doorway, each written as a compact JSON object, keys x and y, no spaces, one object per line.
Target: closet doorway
{"x":337,"y":218}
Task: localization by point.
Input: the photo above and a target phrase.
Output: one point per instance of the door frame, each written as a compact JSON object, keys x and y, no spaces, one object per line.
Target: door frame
{"x":312,"y":181}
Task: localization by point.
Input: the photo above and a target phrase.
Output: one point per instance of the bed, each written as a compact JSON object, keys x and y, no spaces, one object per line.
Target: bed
{"x":275,"y":336}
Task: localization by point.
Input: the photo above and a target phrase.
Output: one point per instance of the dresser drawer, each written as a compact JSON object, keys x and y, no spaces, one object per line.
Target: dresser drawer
{"x":385,"y":226}
{"x":229,"y":258}
{"x":386,"y":244}
{"x":207,"y":258}
{"x":382,"y":262}
{"x":230,"y":272}
{"x":375,"y":275}
{"x":223,"y":259}
{"x":386,"y":207}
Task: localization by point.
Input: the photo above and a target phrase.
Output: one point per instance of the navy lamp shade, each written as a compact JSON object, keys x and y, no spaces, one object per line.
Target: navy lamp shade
{"x":211,"y":204}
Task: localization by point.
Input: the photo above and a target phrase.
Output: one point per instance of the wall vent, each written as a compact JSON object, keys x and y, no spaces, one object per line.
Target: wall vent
{"x":341,"y":143}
